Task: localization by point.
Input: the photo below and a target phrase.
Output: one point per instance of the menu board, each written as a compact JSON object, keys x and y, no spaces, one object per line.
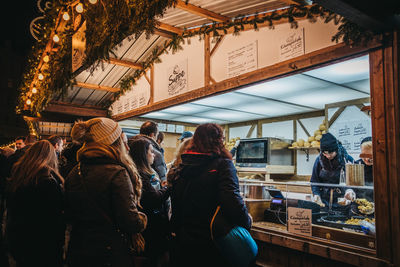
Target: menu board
{"x":242,"y":59}
{"x":299,"y":221}
{"x":162,"y":127}
{"x":292,"y":45}
{"x":350,"y":134}
{"x":171,"y":128}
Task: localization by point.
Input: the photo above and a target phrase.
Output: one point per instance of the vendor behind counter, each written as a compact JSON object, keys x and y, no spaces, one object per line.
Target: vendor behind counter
{"x":327,"y":167}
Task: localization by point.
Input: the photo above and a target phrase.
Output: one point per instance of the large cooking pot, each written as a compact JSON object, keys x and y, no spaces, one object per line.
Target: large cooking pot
{"x":255,"y":191}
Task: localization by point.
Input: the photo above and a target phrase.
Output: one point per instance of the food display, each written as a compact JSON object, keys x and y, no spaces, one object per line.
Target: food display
{"x":364,"y":206}
{"x":312,"y":141}
{"x":357,"y":221}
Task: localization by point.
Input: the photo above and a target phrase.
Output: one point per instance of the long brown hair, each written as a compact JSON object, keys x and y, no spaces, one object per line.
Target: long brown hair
{"x":138,"y":149}
{"x":41,"y":156}
{"x":209,"y":138}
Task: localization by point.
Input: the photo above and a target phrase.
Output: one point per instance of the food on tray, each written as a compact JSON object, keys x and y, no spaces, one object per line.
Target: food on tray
{"x":231,"y":143}
{"x":318,"y":137}
{"x":364,"y":206}
{"x":354,"y":221}
{"x":307,"y":144}
{"x":294,"y":144}
{"x":311,"y":138}
{"x":317,"y":132}
{"x":322,"y":127}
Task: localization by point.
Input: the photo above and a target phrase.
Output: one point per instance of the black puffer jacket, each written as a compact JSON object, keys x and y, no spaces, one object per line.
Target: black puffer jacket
{"x":94,"y":240}
{"x":154,"y":205}
{"x":201,"y":183}
{"x":35,"y":222}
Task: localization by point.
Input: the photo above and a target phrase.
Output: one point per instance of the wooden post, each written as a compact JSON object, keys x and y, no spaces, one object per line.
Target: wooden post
{"x":151,"y":101}
{"x":385,"y":116}
{"x":295,"y":151}
{"x":207,"y":72}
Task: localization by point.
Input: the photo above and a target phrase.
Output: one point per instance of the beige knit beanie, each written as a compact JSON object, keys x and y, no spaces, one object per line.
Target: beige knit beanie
{"x":99,"y":130}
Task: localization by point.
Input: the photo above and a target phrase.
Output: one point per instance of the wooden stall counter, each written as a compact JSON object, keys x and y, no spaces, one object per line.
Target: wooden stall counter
{"x":326,"y":246}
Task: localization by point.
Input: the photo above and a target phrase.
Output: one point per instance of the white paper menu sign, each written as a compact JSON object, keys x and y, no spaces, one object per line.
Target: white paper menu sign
{"x":299,"y":221}
{"x":292,"y":45}
{"x":242,"y":59}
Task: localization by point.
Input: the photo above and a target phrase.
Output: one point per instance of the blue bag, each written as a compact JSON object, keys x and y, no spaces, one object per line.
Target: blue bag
{"x":238,"y":247}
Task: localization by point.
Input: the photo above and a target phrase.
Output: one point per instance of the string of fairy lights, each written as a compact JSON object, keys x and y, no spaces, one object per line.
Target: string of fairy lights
{"x":76,"y":6}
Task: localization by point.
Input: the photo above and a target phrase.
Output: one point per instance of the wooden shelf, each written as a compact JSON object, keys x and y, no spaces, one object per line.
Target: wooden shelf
{"x":306,"y":150}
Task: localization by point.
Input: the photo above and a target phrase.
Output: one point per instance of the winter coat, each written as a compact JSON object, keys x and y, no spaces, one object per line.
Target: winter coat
{"x":328,"y":172}
{"x":35,"y":227}
{"x":159,"y":163}
{"x":199,"y":185}
{"x":153,"y":202}
{"x":102,"y":190}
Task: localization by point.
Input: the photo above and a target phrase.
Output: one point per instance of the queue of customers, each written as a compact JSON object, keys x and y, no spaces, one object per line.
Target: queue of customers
{"x":106,"y":200}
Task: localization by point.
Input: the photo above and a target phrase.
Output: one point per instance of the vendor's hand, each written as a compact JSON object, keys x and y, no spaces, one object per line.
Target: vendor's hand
{"x":350,"y":194}
{"x":317,"y":199}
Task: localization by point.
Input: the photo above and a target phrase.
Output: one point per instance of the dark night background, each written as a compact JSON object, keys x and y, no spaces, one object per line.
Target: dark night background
{"x":15,"y":45}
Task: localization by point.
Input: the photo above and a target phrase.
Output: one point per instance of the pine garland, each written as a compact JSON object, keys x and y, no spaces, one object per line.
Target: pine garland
{"x":109,"y":22}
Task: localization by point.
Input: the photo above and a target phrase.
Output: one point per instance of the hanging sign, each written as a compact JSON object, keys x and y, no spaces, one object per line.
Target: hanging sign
{"x":242,"y":59}
{"x":299,"y":221}
{"x":292,"y":45}
{"x":78,"y":47}
{"x":177,"y":78}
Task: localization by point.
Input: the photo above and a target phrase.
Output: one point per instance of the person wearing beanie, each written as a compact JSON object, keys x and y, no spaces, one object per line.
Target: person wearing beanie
{"x":327,"y":168}
{"x":102,"y":194}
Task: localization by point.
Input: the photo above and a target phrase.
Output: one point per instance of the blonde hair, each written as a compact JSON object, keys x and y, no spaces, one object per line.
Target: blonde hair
{"x":40,"y":156}
{"x":367,"y":144}
{"x":181,"y":149}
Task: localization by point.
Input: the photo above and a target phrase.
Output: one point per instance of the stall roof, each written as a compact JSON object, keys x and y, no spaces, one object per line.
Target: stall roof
{"x":136,"y":50}
{"x":300,"y":93}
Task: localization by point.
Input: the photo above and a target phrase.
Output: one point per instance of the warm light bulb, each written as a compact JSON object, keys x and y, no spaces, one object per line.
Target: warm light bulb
{"x":66,"y":16}
{"x":56,"y":39}
{"x":28,"y":102}
{"x":34,"y":90}
{"x":79,"y":8}
{"x":46,"y":58}
{"x":93,"y":1}
{"x":40,"y":76}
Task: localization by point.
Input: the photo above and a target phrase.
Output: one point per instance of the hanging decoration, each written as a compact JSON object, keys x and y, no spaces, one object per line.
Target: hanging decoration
{"x":109,"y":22}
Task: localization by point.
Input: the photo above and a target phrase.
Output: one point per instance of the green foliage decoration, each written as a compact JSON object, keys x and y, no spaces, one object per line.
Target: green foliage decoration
{"x":109,"y":22}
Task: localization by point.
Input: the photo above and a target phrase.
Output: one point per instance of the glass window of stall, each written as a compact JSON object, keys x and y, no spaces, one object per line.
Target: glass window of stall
{"x":331,"y":146}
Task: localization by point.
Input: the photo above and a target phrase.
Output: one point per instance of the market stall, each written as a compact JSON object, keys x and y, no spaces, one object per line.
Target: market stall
{"x":277,"y":83}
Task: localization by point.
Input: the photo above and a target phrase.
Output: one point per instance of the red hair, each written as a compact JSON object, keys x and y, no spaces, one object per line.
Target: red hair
{"x":209,"y":138}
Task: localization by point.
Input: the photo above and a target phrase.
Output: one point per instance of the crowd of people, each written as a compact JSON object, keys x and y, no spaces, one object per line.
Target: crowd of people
{"x":106,"y":200}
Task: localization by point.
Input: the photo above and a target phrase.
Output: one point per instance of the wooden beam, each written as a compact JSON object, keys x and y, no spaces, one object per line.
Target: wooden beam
{"x":163,"y":33}
{"x":336,"y":115}
{"x":217,"y":45}
{"x":248,"y":27}
{"x":325,"y":56}
{"x":151,"y":100}
{"x":201,"y":11}
{"x":169,"y":28}
{"x":212,"y":80}
{"x":251,"y":130}
{"x":303,"y":127}
{"x":125,"y":63}
{"x":97,"y":87}
{"x":349,"y":102}
{"x":76,"y":110}
{"x":207,"y":71}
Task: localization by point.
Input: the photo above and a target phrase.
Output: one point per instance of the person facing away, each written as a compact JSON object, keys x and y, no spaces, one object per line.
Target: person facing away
{"x":102,"y":193}
{"x":35,"y":222}
{"x":160,"y":139}
{"x":154,"y":204}
{"x":205,"y":179}
{"x":327,"y":168}
{"x":149,"y":130}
